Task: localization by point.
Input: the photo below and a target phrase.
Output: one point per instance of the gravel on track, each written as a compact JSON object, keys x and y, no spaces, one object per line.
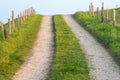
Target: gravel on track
{"x":37,"y":66}
{"x":101,"y":64}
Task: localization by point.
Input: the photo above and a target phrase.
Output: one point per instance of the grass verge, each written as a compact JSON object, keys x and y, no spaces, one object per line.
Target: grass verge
{"x":107,"y":34}
{"x":15,"y":49}
{"x":69,"y":61}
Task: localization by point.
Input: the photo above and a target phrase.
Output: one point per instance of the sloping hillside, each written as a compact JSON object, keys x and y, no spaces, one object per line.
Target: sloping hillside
{"x":14,"y":49}
{"x":107,"y":34}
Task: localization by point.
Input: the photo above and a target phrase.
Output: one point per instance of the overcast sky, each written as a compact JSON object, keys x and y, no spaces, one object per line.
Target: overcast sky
{"x":50,"y":7}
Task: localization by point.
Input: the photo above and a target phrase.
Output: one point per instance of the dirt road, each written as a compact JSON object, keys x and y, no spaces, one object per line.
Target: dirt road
{"x":101,"y":64}
{"x":37,"y":66}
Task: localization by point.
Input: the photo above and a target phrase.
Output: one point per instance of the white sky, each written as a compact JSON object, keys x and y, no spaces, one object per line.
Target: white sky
{"x":50,"y":7}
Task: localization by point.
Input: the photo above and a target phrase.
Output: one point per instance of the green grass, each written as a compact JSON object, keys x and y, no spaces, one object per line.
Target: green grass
{"x":15,"y":49}
{"x":107,"y":34}
{"x":69,"y":61}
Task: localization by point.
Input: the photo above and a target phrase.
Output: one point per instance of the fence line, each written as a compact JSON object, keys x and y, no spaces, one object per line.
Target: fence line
{"x":104,"y":13}
{"x":6,"y":31}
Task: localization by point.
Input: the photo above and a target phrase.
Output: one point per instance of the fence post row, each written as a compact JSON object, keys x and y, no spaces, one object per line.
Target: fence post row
{"x":23,"y":15}
{"x":11,"y":24}
{"x":92,"y":9}
{"x":106,"y":14}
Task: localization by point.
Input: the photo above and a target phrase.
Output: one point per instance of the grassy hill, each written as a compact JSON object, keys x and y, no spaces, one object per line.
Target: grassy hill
{"x":14,"y":50}
{"x":107,"y":34}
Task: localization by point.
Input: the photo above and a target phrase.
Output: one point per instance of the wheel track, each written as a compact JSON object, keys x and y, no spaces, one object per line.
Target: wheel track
{"x":101,"y":64}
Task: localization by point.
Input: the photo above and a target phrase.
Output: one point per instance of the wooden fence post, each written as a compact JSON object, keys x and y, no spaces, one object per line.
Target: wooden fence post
{"x":13,"y":24}
{"x":97,"y":12}
{"x":106,"y":16}
{"x":28,"y":12}
{"x":92,"y":6}
{"x":31,"y":10}
{"x":114,"y":16}
{"x":4,"y":33}
{"x":20,"y":18}
{"x":25,"y":14}
{"x":90,"y":9}
{"x":9,"y":25}
{"x":102,"y":12}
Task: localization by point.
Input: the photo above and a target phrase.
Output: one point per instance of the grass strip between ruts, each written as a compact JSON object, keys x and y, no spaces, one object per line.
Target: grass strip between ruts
{"x":69,"y":61}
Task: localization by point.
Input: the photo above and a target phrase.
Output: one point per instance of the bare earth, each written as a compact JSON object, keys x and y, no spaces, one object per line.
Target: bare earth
{"x":37,"y":66}
{"x":100,"y":63}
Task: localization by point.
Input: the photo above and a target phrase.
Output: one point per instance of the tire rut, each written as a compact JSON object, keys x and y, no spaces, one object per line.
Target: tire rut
{"x":37,"y":66}
{"x":101,"y":64}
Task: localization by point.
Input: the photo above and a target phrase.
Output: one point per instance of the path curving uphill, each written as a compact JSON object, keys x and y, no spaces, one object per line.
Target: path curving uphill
{"x":100,"y":63}
{"x":37,"y":66}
